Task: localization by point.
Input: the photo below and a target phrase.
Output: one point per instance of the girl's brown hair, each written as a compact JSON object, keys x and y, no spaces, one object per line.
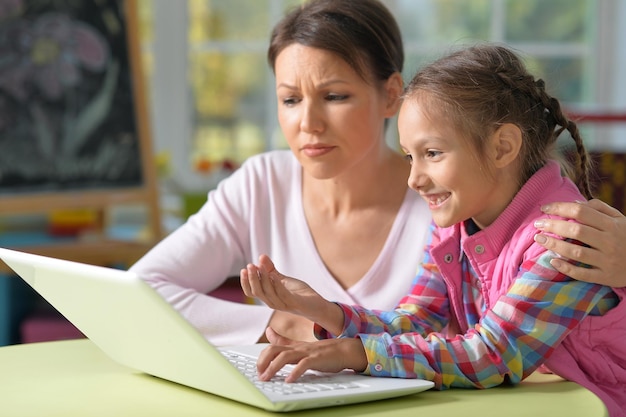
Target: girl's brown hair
{"x":481,"y":87}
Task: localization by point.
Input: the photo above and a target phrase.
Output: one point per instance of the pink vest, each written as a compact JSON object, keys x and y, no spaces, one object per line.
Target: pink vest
{"x":593,"y":354}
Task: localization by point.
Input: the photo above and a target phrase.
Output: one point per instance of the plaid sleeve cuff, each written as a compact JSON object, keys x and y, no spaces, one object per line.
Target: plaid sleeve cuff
{"x":351,"y":326}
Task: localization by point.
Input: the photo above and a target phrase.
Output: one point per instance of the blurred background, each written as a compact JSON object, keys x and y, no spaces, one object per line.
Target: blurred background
{"x":203,"y":100}
{"x":212,"y":99}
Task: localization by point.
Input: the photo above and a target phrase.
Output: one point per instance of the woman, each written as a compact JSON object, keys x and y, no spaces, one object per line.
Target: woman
{"x":335,"y":211}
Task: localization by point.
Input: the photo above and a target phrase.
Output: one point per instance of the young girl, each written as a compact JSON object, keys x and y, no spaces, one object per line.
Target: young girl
{"x":486,"y":306}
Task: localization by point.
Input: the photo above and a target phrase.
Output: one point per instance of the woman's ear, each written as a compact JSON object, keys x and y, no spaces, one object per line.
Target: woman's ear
{"x":507,"y":142}
{"x":394,"y":86}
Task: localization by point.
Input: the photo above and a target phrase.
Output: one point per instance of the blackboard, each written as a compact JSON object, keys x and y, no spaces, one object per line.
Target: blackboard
{"x":73,"y":121}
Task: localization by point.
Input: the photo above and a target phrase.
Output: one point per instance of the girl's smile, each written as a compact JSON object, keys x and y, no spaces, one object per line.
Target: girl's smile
{"x":436,"y":200}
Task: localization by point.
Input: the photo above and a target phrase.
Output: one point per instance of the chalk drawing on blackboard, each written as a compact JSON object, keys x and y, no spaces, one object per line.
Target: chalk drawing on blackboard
{"x":67,"y":115}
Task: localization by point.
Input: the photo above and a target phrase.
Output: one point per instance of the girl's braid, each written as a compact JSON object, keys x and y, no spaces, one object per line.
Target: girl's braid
{"x":584,"y":161}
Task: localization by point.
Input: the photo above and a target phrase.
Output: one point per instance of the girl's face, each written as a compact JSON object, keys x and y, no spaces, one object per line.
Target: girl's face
{"x":331,"y":117}
{"x":445,"y":170}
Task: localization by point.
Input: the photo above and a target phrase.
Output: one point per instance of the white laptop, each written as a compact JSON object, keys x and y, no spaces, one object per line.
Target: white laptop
{"x":136,"y":327}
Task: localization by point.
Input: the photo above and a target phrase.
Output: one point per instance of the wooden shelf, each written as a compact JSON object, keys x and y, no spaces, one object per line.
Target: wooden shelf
{"x":104,"y":252}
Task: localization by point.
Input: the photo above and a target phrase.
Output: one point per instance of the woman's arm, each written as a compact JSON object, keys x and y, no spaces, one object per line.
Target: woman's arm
{"x":212,"y":245}
{"x":599,"y":226}
{"x":187,"y":265}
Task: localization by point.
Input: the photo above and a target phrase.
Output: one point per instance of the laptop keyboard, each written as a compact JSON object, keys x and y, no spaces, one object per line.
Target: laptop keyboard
{"x":309,"y":382}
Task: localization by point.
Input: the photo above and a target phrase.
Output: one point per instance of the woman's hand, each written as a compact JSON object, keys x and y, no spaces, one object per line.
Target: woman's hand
{"x":601,"y":227}
{"x":291,"y":326}
{"x":288,"y":294}
{"x":330,"y":355}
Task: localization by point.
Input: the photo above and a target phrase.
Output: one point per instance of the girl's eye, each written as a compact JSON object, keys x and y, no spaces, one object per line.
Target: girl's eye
{"x":408,"y":158}
{"x":432,"y":153}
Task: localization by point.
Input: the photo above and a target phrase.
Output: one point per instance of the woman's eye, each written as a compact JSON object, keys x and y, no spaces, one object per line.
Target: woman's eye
{"x":336,"y":97}
{"x":290,"y":101}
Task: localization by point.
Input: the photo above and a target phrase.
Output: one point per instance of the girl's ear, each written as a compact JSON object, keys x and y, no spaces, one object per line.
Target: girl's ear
{"x":394,"y":86}
{"x":507,"y":142}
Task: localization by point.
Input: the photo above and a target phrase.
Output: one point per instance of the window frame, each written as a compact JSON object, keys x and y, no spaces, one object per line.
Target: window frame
{"x":172,"y":106}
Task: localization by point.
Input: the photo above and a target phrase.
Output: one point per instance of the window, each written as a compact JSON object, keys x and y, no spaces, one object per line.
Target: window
{"x":213,"y":101}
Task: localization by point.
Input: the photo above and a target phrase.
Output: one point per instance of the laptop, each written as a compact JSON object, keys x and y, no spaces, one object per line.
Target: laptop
{"x":130,"y":322}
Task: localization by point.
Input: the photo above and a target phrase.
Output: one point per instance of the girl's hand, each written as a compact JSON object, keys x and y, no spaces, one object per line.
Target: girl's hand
{"x":330,"y":355}
{"x":601,"y":227}
{"x":288,"y":294}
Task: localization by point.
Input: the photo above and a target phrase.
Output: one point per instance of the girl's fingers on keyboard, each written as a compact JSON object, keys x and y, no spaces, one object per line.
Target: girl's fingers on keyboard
{"x":272,"y":360}
{"x":329,"y":355}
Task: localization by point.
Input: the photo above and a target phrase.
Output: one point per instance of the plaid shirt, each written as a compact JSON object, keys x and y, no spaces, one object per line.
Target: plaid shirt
{"x":507,"y":341}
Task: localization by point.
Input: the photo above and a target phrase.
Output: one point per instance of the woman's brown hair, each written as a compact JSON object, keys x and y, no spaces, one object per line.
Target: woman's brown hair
{"x":362,"y":32}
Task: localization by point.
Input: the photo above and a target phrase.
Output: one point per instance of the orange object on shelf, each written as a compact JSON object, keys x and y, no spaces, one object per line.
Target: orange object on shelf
{"x":73,"y":222}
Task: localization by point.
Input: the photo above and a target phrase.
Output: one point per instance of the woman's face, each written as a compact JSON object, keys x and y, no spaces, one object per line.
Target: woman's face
{"x":331,"y":117}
